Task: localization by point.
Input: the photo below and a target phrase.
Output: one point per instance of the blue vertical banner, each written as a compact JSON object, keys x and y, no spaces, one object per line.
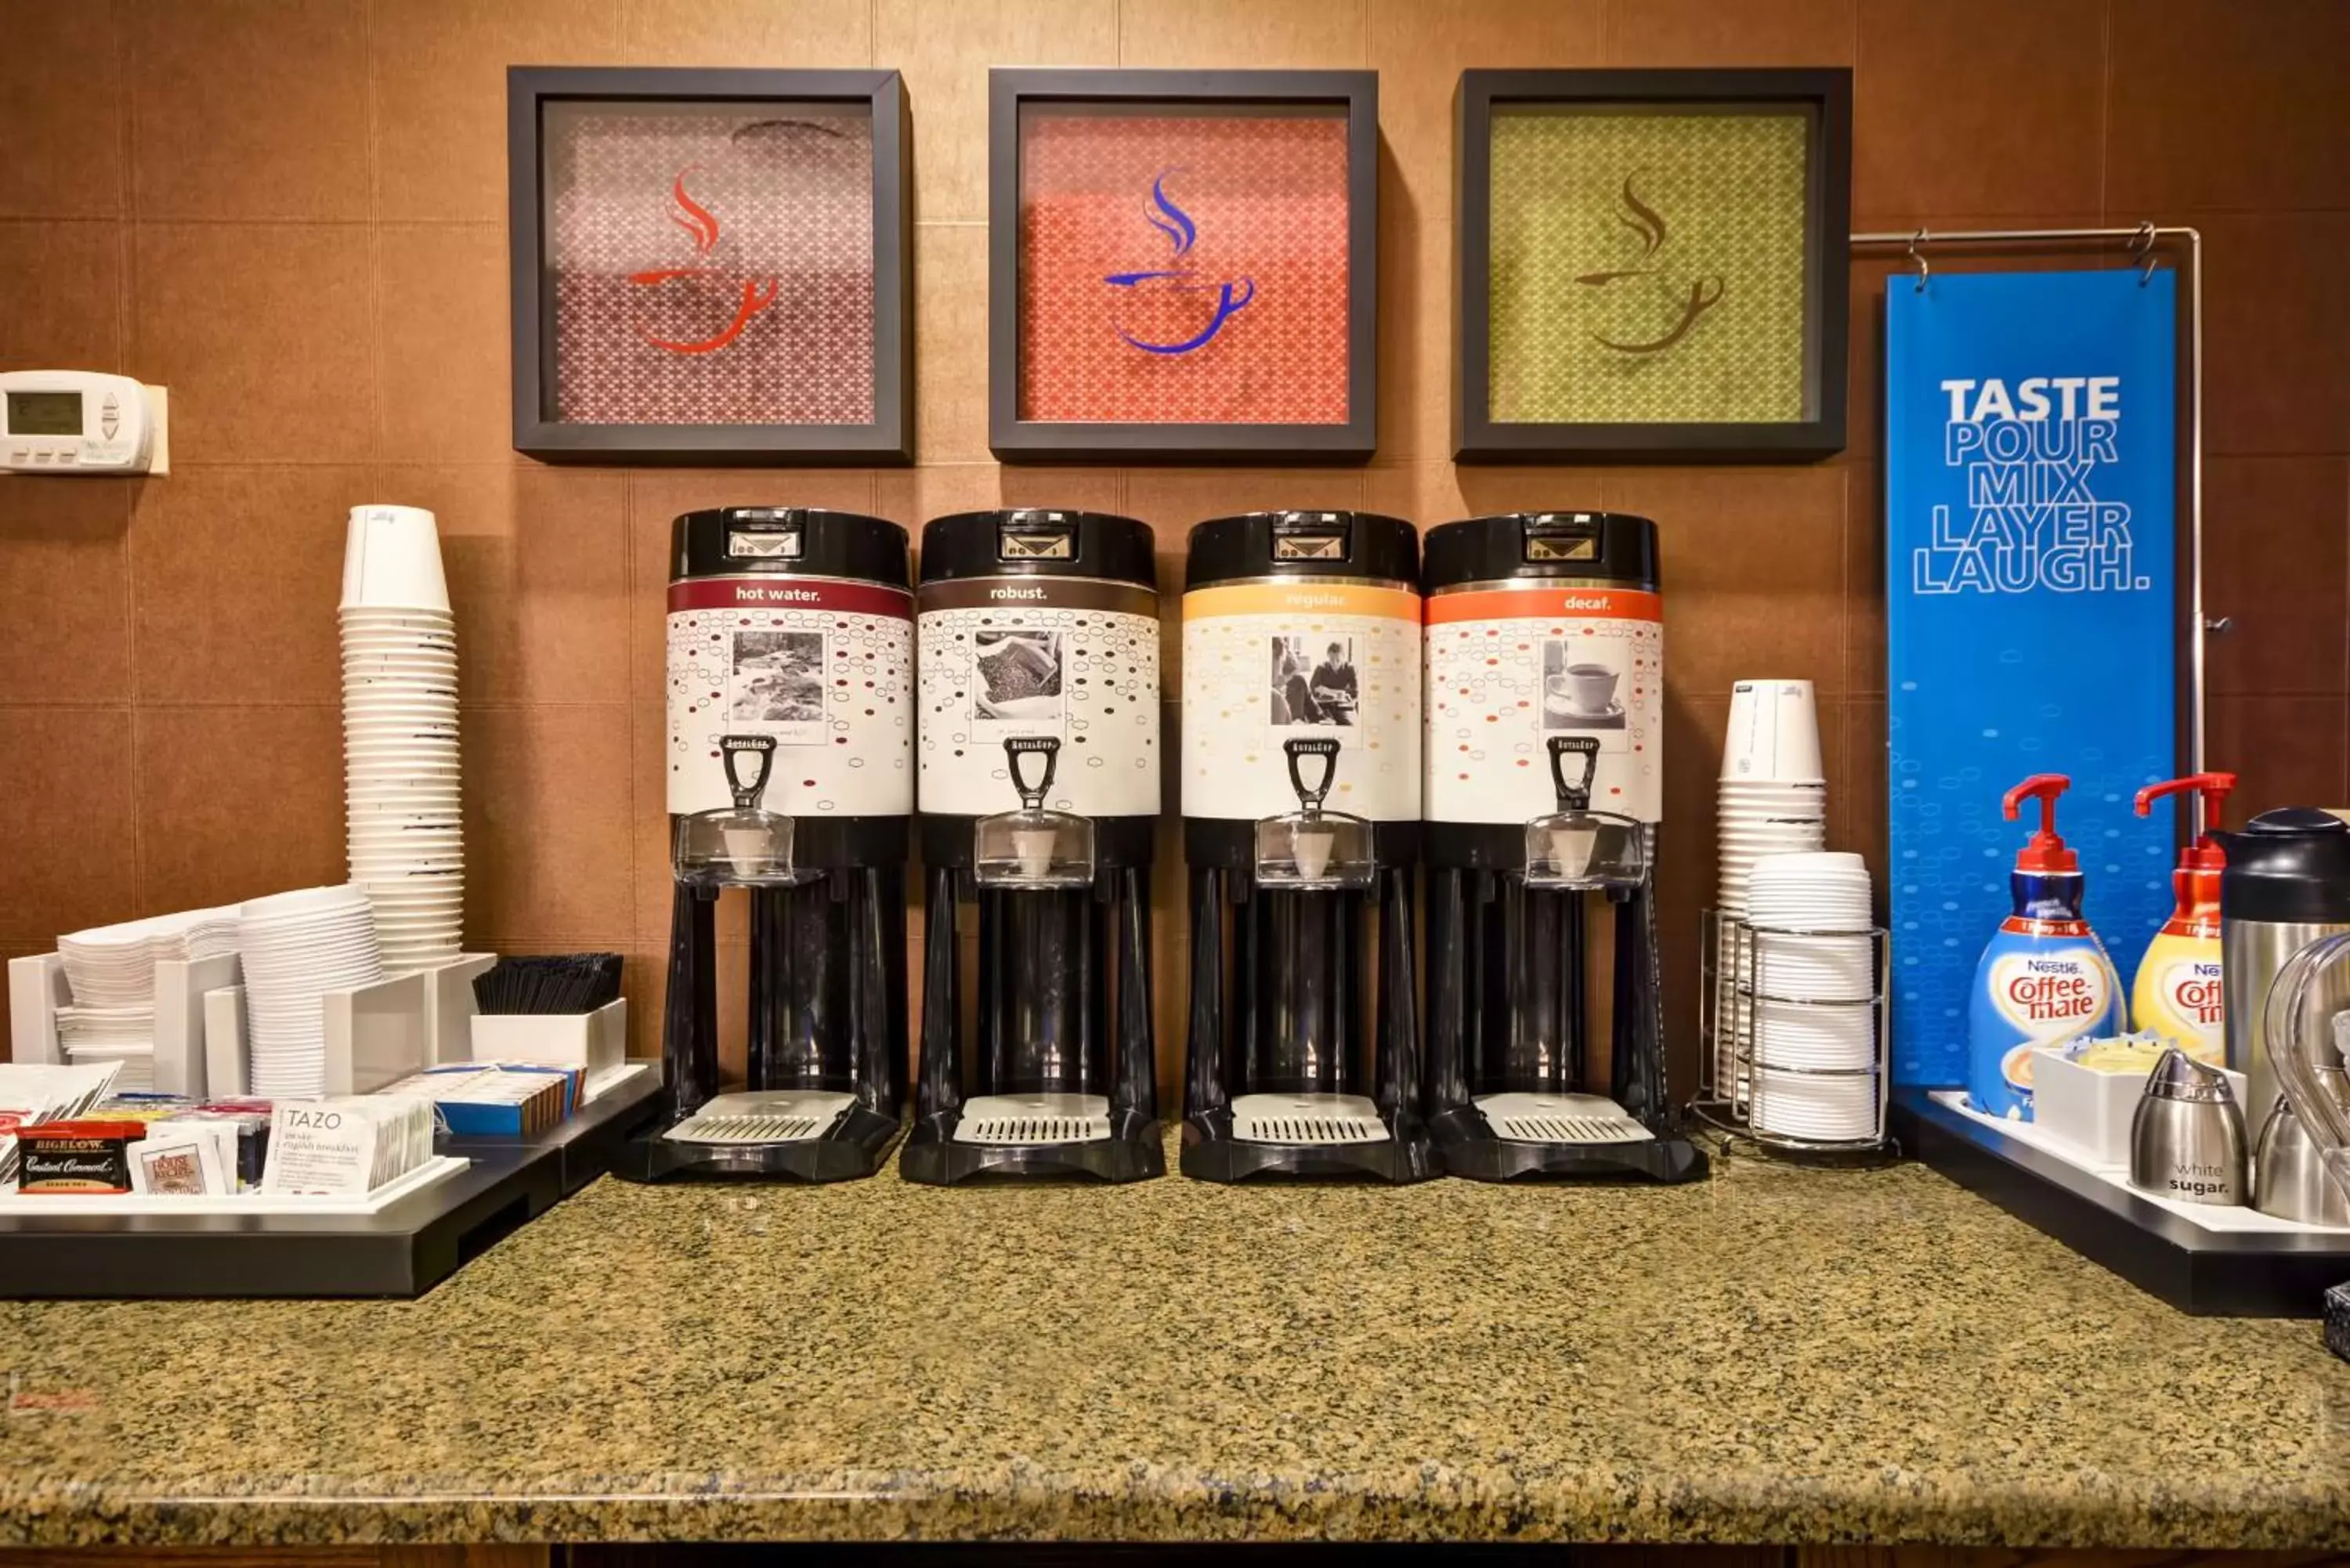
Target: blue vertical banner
{"x":2032,"y":608}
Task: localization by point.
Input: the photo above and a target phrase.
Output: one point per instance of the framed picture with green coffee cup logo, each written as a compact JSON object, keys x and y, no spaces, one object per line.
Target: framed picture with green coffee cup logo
{"x":1650,"y":263}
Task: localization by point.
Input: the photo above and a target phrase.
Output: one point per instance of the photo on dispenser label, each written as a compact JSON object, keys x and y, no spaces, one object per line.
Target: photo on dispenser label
{"x":1584,"y":683}
{"x":1313,"y":681}
{"x":779,"y":683}
{"x":1018,"y":677}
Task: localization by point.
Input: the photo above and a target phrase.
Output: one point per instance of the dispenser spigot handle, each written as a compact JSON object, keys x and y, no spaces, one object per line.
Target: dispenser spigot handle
{"x":2046,"y":852}
{"x":1016,"y":748}
{"x":1574,"y":797}
{"x":1323,"y":746}
{"x":2042,"y":787}
{"x":2211,"y":791}
{"x":760,"y":753}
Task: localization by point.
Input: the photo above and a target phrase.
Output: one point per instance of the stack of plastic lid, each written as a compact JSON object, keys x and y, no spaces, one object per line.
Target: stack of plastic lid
{"x":400,"y":734}
{"x":1815,"y":1047}
{"x":298,"y":947}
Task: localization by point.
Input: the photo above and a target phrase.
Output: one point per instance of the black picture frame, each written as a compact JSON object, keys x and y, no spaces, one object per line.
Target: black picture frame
{"x":1016,"y":440}
{"x":1827,"y":91}
{"x":887,"y":439}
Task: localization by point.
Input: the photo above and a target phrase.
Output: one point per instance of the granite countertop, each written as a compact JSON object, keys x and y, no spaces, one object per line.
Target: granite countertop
{"x":1772,"y":1355}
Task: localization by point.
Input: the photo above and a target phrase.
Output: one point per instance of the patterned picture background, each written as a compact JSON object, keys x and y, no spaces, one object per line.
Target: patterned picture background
{"x":1181,"y":268}
{"x":1647,"y":267}
{"x":713,"y":267}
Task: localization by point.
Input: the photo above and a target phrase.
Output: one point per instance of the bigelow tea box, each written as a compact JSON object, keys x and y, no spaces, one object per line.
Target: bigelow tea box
{"x":76,"y":1157}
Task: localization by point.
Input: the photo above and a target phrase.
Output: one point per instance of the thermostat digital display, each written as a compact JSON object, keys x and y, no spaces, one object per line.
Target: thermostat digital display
{"x":77,"y":421}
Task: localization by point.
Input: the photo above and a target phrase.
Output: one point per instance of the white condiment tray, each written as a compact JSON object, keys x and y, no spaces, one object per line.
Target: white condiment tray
{"x":2213,"y":1217}
{"x":440,"y":1168}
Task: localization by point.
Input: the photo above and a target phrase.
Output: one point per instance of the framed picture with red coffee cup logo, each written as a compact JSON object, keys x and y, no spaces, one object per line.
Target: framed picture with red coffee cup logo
{"x":710,"y":267}
{"x":1650,"y":263}
{"x":1181,"y":264}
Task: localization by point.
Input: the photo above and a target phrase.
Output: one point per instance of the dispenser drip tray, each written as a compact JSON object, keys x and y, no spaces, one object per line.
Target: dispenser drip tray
{"x":1307,"y":1119}
{"x":782,"y":1116}
{"x":1029,"y":1121}
{"x":1560,"y":1118}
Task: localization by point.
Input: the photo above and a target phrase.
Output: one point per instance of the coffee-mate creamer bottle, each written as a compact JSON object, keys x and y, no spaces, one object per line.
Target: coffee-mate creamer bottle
{"x":2045,"y":977}
{"x":2178,"y":992}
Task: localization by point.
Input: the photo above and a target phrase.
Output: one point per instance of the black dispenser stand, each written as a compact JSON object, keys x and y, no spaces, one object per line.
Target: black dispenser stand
{"x":1507,"y":1011}
{"x":1314,"y":941}
{"x":1483,"y":922}
{"x":1046,"y":1022}
{"x":827,"y":1011}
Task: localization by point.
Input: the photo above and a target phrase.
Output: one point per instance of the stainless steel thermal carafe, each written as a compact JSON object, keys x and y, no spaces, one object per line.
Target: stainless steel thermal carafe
{"x":2287,"y":884}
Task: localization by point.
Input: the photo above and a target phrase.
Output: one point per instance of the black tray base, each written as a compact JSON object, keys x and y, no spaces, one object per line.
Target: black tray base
{"x":1466,"y":1147}
{"x":1132,"y":1152}
{"x":400,"y":1251}
{"x":1210,"y":1153}
{"x":2208,"y":1273}
{"x":856,"y":1146}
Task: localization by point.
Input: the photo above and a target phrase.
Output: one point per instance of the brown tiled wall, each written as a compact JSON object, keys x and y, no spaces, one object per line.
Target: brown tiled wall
{"x":290,"y":213}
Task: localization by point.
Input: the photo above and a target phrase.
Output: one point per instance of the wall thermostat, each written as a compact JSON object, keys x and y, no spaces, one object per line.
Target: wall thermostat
{"x":80,"y":422}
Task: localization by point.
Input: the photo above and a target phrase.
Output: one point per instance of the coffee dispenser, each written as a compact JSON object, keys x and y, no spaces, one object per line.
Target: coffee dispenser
{"x":1301,"y":807}
{"x":789,"y":768}
{"x":1544,"y":789}
{"x":1039,"y":770}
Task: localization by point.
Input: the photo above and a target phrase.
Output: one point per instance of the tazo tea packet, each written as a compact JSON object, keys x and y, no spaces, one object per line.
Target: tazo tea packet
{"x":345,"y":1147}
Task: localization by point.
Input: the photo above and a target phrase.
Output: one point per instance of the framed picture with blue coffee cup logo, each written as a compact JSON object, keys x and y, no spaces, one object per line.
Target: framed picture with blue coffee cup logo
{"x":1181,"y":264}
{"x":1650,"y":263}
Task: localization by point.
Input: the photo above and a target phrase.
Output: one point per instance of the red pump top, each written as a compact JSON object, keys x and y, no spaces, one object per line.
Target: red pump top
{"x":2046,"y":852}
{"x":2204,"y":854}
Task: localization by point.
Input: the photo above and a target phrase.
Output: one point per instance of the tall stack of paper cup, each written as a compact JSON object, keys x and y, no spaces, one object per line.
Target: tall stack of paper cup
{"x":1773,"y":801}
{"x":400,"y":734}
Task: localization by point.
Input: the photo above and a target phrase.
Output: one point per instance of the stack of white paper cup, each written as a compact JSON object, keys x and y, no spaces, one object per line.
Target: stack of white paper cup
{"x":1773,"y":801}
{"x":400,"y":734}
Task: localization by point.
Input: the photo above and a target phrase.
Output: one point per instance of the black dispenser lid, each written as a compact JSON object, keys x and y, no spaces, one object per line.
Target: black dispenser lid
{"x":1041,"y":542}
{"x":1302,"y":545}
{"x":788,"y":541}
{"x":2291,"y":865}
{"x":1611,"y":546}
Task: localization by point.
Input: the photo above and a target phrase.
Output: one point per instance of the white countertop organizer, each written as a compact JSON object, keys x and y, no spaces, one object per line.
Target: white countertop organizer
{"x":375,"y":1033}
